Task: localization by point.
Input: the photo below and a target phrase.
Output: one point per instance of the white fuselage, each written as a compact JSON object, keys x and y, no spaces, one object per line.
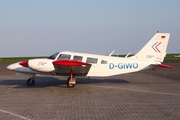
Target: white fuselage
{"x":101,"y":66}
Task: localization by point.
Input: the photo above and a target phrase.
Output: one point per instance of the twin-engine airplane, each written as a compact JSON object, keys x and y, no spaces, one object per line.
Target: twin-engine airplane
{"x":81,"y":64}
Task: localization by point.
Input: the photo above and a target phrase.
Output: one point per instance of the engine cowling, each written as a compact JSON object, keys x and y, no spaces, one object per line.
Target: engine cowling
{"x":41,"y":65}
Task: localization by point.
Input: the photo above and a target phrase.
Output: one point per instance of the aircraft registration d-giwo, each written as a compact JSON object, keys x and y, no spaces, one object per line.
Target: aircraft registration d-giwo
{"x":74,"y":64}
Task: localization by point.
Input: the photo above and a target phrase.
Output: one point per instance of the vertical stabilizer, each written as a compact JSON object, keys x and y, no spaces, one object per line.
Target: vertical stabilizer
{"x":155,"y":49}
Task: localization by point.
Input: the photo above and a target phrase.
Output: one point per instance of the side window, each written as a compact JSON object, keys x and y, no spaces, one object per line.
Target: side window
{"x":64,"y":57}
{"x":91,"y":60}
{"x":103,"y":62}
{"x":79,"y":58}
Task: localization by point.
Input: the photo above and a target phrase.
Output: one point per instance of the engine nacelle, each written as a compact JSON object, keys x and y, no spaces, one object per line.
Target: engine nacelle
{"x":41,"y":65}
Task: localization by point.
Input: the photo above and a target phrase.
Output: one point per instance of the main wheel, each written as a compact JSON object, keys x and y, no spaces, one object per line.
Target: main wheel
{"x":30,"y":82}
{"x":71,"y":84}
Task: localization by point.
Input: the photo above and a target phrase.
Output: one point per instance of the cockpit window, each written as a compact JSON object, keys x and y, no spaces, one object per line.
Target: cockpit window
{"x":64,"y":57}
{"x":53,"y":56}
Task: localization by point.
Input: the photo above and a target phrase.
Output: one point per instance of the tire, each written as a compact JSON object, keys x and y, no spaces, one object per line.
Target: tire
{"x":30,"y":82}
{"x":69,"y":85}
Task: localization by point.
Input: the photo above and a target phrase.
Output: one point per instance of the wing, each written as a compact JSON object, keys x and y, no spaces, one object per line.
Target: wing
{"x":65,"y":67}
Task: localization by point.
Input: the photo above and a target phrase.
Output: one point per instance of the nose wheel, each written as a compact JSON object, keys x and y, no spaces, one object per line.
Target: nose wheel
{"x":30,"y":82}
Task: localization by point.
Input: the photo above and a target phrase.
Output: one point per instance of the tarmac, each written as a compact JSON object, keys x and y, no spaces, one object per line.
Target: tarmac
{"x":148,"y":95}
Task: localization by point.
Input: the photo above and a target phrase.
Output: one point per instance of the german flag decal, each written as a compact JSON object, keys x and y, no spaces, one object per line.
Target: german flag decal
{"x":163,"y":37}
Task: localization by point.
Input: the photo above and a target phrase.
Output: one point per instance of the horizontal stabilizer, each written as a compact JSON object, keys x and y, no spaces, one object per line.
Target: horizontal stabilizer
{"x":165,"y":66}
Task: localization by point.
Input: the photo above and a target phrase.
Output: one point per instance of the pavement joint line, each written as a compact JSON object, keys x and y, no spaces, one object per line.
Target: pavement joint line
{"x":22,"y":117}
{"x":13,"y":86}
{"x":3,"y":77}
{"x":162,"y":93}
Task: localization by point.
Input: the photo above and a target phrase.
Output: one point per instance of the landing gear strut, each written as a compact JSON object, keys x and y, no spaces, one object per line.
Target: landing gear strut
{"x":71,"y":81}
{"x":30,"y":82}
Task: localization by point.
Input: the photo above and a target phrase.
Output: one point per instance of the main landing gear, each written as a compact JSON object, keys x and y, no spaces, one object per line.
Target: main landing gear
{"x":71,"y":81}
{"x":30,"y":82}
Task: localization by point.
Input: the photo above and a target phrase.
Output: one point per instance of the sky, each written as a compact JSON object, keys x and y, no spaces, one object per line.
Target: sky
{"x":43,"y":27}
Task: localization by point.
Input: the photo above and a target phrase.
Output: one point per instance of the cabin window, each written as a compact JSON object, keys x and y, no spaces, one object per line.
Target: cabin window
{"x":79,"y":58}
{"x":64,"y":57}
{"x":103,"y":62}
{"x":91,"y":60}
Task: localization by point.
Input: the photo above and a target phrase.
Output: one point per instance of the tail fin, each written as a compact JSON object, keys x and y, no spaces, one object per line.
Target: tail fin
{"x":155,"y":49}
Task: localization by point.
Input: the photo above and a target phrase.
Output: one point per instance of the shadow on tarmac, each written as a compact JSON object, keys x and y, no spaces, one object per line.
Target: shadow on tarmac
{"x":51,"y":81}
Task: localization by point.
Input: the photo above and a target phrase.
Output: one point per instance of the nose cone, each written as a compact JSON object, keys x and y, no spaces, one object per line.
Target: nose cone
{"x":24,"y":63}
{"x":13,"y":66}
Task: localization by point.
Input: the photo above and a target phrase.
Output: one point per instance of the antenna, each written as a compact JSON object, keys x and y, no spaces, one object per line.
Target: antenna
{"x":111,"y":53}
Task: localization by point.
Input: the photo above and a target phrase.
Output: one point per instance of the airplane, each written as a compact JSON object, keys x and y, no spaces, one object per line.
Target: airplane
{"x":74,"y":64}
{"x":177,"y":56}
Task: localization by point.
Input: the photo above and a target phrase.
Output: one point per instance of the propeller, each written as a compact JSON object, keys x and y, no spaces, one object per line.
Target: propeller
{"x":24,"y":63}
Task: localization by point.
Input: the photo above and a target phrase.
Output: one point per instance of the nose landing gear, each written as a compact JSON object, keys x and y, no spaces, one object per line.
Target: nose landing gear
{"x":30,"y":82}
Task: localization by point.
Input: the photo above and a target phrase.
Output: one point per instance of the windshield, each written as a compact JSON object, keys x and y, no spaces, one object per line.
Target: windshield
{"x":53,"y":56}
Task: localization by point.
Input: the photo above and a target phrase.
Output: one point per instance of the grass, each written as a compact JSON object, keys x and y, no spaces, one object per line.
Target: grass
{"x":169,"y":57}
